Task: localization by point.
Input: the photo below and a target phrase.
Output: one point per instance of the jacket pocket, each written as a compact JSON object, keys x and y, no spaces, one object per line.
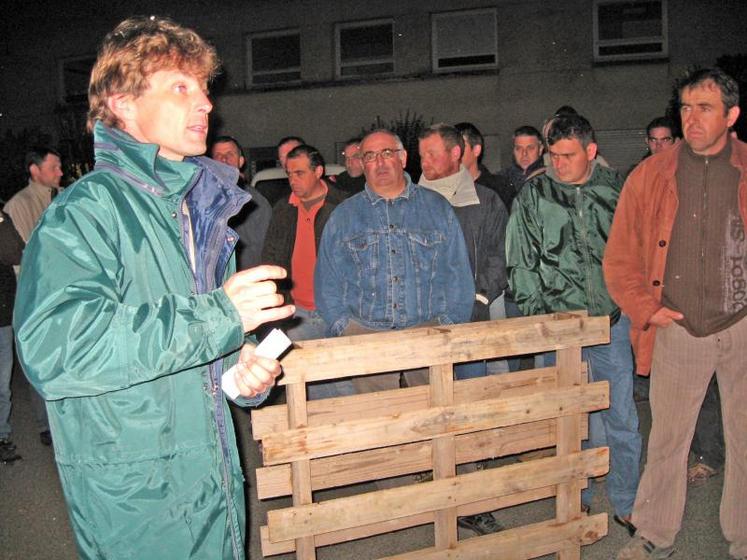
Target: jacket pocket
{"x":365,"y":253}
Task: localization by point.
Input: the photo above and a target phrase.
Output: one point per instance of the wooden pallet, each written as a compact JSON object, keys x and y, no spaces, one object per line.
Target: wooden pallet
{"x":314,"y":445}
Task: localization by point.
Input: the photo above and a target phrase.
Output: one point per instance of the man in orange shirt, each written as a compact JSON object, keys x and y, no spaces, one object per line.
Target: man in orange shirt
{"x":293,"y":239}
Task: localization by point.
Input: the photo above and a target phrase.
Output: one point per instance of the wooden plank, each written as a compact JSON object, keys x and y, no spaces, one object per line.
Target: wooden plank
{"x":300,"y":470}
{"x":307,"y":520}
{"x":568,"y":501}
{"x":335,"y":537}
{"x":332,"y":358}
{"x":356,"y":435}
{"x":273,"y":419}
{"x":441,"y":385}
{"x":374,"y":464}
{"x":520,"y":543}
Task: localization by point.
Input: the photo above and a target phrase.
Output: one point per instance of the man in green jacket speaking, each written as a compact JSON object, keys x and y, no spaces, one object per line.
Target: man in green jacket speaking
{"x":128,"y":312}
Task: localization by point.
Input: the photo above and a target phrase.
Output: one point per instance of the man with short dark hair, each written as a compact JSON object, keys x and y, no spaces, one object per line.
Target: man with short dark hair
{"x":253,"y":219}
{"x":675,"y":263}
{"x":292,"y":242}
{"x":128,"y":312}
{"x":352,"y":180}
{"x":474,"y":150}
{"x":555,"y":241}
{"x":659,"y":135}
{"x":527,"y":159}
{"x":25,"y":208}
{"x":279,"y":189}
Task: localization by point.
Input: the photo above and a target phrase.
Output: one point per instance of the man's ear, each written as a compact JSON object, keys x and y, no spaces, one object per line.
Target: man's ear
{"x":456,"y":153}
{"x":121,"y":104}
{"x":319,"y":171}
{"x":732,"y":116}
{"x":591,"y":151}
{"x":477,"y":150}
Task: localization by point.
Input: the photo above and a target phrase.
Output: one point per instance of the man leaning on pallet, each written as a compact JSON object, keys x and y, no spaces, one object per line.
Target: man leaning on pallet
{"x":554,"y":246}
{"x":675,"y":263}
{"x":391,"y":257}
{"x":128,"y":312}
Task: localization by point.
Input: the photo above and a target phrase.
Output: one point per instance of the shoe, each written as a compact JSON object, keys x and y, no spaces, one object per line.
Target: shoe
{"x":481,"y":524}
{"x":8,"y":451}
{"x":624,"y":521}
{"x":639,"y":548}
{"x":45,"y":437}
{"x":699,"y":474}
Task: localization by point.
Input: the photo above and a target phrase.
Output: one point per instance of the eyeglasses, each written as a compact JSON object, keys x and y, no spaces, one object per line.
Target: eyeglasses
{"x":662,"y":140}
{"x":386,"y":153}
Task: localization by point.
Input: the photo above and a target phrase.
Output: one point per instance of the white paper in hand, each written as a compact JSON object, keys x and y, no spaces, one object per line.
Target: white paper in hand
{"x":272,"y":346}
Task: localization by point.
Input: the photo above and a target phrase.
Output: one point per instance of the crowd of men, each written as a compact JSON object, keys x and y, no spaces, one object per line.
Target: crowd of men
{"x":128,"y":352}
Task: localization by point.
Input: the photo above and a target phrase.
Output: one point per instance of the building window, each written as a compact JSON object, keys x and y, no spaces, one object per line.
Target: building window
{"x":631,"y":30}
{"x":75,"y":74}
{"x":364,"y":48}
{"x":274,"y":57}
{"x":466,"y":40}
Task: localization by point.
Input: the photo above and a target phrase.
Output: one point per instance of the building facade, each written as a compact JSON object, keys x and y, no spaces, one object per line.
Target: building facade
{"x":326,"y":69}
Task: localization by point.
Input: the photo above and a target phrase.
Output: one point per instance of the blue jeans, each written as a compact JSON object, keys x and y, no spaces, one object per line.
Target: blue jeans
{"x":616,"y":426}
{"x":308,"y":325}
{"x":6,"y":369}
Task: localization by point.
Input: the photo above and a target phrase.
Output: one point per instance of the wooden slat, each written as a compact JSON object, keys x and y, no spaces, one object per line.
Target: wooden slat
{"x":273,"y":419}
{"x":374,"y":464}
{"x":301,"y":469}
{"x":441,"y":385}
{"x":332,"y":358}
{"x":529,"y":541}
{"x":568,"y":501}
{"x":308,"y":520}
{"x":356,"y":435}
{"x":335,"y":537}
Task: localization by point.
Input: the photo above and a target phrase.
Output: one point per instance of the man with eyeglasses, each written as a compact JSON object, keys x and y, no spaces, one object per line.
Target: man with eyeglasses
{"x":391,"y":257}
{"x":659,"y":135}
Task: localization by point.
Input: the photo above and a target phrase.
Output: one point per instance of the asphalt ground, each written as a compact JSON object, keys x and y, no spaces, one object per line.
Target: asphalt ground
{"x":34,"y":522}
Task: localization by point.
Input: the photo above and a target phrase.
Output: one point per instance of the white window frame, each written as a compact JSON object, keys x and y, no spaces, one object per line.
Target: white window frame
{"x":340,"y":65}
{"x":250,"y":70}
{"x":600,"y":43}
{"x":487,"y":12}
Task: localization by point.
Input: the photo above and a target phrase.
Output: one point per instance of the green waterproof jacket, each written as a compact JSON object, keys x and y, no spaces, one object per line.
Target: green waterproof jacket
{"x":555,"y":242}
{"x":127,"y":345}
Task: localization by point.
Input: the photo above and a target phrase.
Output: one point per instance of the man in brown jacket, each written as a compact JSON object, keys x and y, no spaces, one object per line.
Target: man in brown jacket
{"x":676,"y":264}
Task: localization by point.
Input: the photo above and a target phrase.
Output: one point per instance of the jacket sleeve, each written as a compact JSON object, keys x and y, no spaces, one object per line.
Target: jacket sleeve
{"x":523,"y":248}
{"x":491,"y":278}
{"x":75,"y":335}
{"x":457,"y":274}
{"x":624,"y":258}
{"x":11,"y":244}
{"x":329,"y":281}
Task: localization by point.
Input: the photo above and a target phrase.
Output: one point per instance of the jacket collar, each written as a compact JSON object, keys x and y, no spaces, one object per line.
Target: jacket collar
{"x":136,"y":161}
{"x":374,"y":198}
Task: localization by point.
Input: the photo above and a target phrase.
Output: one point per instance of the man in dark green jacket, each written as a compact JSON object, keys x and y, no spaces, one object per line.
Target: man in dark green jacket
{"x":555,"y":242}
{"x":124,"y":322}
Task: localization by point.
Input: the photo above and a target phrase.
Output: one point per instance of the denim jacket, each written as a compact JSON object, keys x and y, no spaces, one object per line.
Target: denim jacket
{"x":392,"y":264}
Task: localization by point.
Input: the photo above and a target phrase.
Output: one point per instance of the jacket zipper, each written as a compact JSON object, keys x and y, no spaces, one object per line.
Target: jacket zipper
{"x":703,"y":217}
{"x":585,"y":249}
{"x":220,"y":418}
